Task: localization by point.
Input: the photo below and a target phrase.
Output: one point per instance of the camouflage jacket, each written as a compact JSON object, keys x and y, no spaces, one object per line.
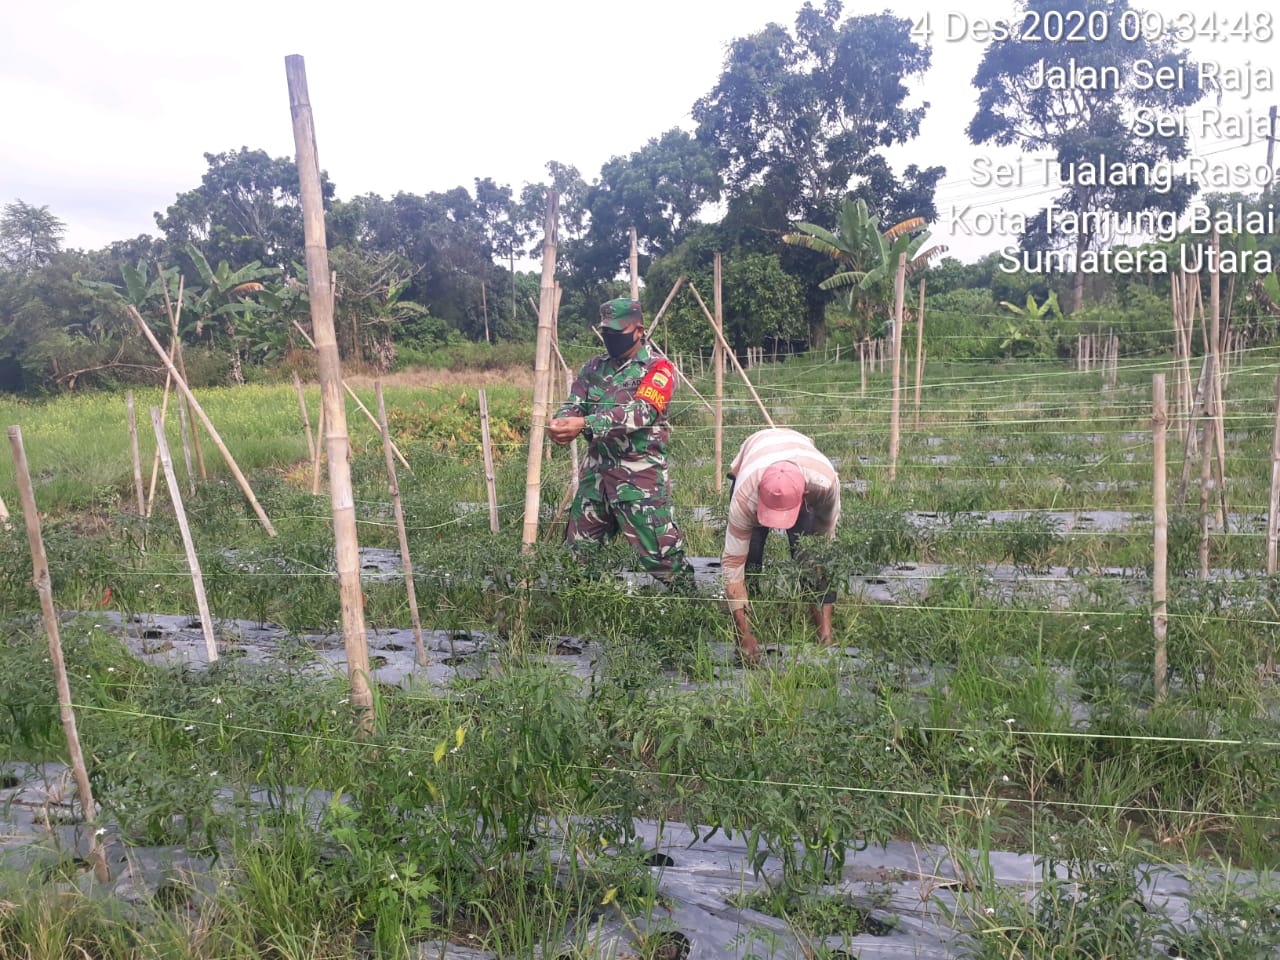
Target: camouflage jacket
{"x":624,"y":403}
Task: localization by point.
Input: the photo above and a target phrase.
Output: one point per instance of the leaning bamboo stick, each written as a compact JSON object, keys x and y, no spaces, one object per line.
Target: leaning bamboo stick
{"x":665,"y":303}
{"x":329,"y":365}
{"x":717,"y":357}
{"x":188,"y":544}
{"x":542,"y":375}
{"x":175,"y":318}
{"x":133,"y":450}
{"x":164,"y":409}
{"x":1160,"y":516}
{"x":724,"y":346}
{"x":405,"y":563}
{"x":1206,"y":482}
{"x":44,"y":587}
{"x":363,"y":409}
{"x":919,"y":354}
{"x":635,"y":267}
{"x":186,"y":445}
{"x":208,"y":424}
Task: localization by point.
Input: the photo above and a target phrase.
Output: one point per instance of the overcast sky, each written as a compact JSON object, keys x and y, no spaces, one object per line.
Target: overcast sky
{"x":109,"y":108}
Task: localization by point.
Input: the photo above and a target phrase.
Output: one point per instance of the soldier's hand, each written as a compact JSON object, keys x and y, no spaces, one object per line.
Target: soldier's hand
{"x":564,"y":429}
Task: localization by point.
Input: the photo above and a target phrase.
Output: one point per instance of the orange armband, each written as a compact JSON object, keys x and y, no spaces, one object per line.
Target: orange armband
{"x":658,"y":385}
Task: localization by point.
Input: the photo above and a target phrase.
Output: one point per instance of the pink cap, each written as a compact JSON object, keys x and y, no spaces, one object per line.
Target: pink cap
{"x":780,"y":496}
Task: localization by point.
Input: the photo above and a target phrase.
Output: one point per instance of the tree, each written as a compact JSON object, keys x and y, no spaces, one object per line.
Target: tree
{"x":246,"y":208}
{"x":30,"y":236}
{"x":798,"y":121}
{"x":868,"y":258}
{"x":659,"y":190}
{"x":1090,"y":132}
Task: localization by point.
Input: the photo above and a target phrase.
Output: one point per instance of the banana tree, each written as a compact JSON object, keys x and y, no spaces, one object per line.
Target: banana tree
{"x":869,"y":256}
{"x":230,"y":297}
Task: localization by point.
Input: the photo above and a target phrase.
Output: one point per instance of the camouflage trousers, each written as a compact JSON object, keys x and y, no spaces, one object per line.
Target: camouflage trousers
{"x":637,"y":504}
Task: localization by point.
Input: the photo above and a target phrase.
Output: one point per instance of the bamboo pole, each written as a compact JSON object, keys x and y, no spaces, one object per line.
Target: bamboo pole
{"x":321,"y":442}
{"x":1160,"y":516}
{"x":188,"y":544}
{"x":1219,"y":406}
{"x":1273,"y":508}
{"x":490,"y":482}
{"x":186,"y":445}
{"x":919,"y":354}
{"x":665,"y":303}
{"x":542,"y":373}
{"x":405,"y":563}
{"x":1206,"y":483}
{"x":347,"y":548}
{"x":164,"y":409}
{"x":41,"y":580}
{"x":724,"y":347}
{"x":208,"y":424}
{"x":635,"y":267}
{"x":352,"y":394}
{"x":175,"y":317}
{"x":862,"y":367}
{"x":717,"y":355}
{"x":895,"y":402}
{"x":4,"y":516}
{"x":306,"y":419}
{"x":133,"y":450}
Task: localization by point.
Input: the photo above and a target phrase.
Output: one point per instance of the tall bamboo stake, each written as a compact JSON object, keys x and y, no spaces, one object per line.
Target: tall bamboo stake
{"x":188,"y":544}
{"x":726,"y":351}
{"x":164,"y":409}
{"x":542,"y":374}
{"x":359,"y":403}
{"x":490,"y":482}
{"x":405,"y":563}
{"x":862,"y":367}
{"x":133,"y":450}
{"x":208,"y":424}
{"x":44,"y":587}
{"x":919,"y":353}
{"x":665,"y":303}
{"x":347,"y":548}
{"x":1273,"y":508}
{"x":1206,"y":483}
{"x":1219,"y":406}
{"x":895,"y":402}
{"x":1160,"y":515}
{"x":635,"y":267}
{"x":718,"y":359}
{"x":306,"y":419}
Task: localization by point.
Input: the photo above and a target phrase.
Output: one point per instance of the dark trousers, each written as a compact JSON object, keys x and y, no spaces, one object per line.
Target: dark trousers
{"x":803,"y":527}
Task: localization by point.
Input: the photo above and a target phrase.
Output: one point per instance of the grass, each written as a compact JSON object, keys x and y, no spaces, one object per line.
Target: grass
{"x":969,"y":718}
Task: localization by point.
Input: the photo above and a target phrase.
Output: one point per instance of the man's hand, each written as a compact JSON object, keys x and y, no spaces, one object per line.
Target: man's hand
{"x":564,"y":429}
{"x":748,"y":649}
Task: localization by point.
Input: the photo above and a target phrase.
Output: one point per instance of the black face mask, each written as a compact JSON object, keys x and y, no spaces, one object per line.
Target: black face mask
{"x":617,"y":342}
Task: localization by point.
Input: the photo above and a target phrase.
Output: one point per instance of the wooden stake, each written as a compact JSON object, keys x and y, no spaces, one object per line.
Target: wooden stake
{"x":895,"y":402}
{"x":1218,"y":405}
{"x":405,"y":563}
{"x":1206,"y":482}
{"x":490,"y":482}
{"x":164,"y":409}
{"x":635,"y":267}
{"x":1160,"y":516}
{"x":665,"y":303}
{"x":726,"y":351}
{"x":133,"y":449}
{"x":4,"y":515}
{"x":352,"y":394}
{"x":347,"y":548}
{"x":542,"y":374}
{"x":188,"y":544}
{"x":862,"y":366}
{"x":1273,"y":508}
{"x":717,"y":358}
{"x":44,"y":587}
{"x":306,"y":420}
{"x":919,"y":353}
{"x":208,"y":424}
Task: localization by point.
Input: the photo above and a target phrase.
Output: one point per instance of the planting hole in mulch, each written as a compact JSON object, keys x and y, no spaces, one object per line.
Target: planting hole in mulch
{"x":172,"y":893}
{"x":454,"y":661}
{"x":378,"y":661}
{"x":658,"y":860}
{"x":151,"y":634}
{"x":876,"y":581}
{"x":672,"y":945}
{"x":393,"y":647}
{"x":8,"y":781}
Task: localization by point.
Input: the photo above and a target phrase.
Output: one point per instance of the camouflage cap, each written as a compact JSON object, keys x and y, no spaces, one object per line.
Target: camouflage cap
{"x":620,"y":314}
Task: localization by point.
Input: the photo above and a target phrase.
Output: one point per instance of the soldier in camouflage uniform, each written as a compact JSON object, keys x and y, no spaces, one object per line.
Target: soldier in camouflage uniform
{"x":619,"y":403}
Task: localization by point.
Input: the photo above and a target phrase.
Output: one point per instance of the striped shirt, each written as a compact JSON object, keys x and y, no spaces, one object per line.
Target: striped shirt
{"x":821,"y":495}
